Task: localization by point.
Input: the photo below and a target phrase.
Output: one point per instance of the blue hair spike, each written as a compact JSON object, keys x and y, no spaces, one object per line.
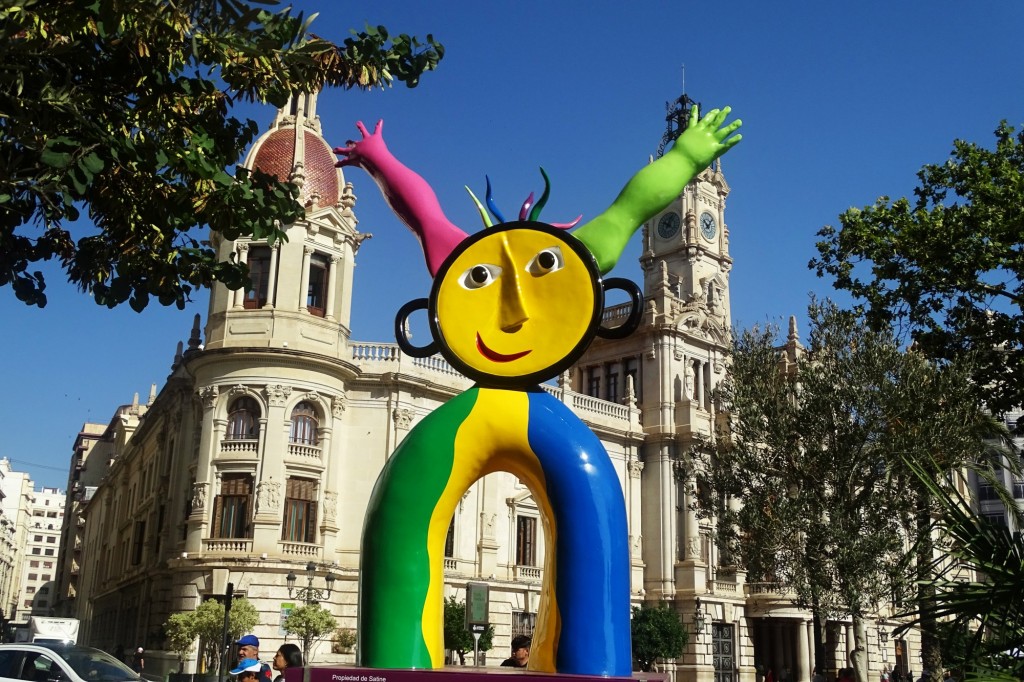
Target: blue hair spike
{"x":490,"y":202}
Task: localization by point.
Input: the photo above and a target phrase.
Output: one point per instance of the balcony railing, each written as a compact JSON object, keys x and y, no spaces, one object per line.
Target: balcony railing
{"x":227,"y":545}
{"x":724,"y":587}
{"x":527,"y":573}
{"x":307,"y":452}
{"x":300,"y":549}
{"x":451,"y":564}
{"x":239,"y":447}
{"x":776,"y":589}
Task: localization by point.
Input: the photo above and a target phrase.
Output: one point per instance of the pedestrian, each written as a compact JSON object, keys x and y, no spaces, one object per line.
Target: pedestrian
{"x":288,"y":656}
{"x":248,"y":670}
{"x":138,"y":662}
{"x":249,"y":649}
{"x":520,"y":653}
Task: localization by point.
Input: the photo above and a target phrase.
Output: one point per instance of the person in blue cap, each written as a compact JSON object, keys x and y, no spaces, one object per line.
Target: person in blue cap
{"x":249,"y":650}
{"x":247,"y":670}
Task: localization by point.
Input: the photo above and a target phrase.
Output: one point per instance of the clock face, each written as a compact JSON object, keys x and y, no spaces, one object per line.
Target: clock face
{"x":708,"y":226}
{"x":668,"y":225}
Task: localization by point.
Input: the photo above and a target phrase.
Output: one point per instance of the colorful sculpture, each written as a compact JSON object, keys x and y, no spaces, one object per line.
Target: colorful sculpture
{"x":510,"y":307}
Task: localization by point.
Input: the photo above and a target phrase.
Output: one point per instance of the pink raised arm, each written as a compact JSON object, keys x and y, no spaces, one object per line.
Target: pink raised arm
{"x":409,"y":195}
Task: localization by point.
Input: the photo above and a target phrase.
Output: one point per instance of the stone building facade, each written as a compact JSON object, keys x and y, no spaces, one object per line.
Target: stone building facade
{"x":259,"y":453}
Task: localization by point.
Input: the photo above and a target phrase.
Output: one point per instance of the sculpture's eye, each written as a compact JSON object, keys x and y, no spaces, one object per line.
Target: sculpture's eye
{"x":479,"y":276}
{"x":548,"y":260}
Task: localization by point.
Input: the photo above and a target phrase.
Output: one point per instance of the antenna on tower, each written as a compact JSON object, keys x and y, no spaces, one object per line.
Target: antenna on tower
{"x":677,"y":116}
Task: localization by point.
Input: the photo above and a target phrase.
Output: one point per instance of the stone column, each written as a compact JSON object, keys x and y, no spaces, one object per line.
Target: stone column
{"x":202,"y":493}
{"x":275,"y":250}
{"x":243,"y":257}
{"x":332,"y":287}
{"x":307,"y":254}
{"x":801,"y":670}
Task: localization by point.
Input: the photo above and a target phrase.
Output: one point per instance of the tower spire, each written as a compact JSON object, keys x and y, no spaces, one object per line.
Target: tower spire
{"x":677,"y":117}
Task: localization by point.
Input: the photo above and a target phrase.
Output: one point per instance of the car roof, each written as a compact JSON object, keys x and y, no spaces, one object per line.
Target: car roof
{"x":53,"y":646}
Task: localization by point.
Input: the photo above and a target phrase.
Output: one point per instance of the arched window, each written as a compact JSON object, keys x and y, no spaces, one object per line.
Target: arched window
{"x":305,"y":425}
{"x":243,"y":419}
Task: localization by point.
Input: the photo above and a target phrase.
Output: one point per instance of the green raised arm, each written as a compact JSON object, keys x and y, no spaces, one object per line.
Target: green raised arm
{"x":656,"y":185}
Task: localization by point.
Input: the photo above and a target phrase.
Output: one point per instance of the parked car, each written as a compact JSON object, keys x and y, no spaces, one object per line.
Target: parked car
{"x":61,"y":663}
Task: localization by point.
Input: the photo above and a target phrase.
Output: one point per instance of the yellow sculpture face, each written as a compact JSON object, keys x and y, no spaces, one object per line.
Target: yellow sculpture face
{"x":517,"y":302}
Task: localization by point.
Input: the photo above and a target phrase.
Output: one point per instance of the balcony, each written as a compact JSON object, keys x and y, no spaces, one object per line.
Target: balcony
{"x":304,"y":453}
{"x":527,"y":573}
{"x":304,"y":550}
{"x":234,"y":546}
{"x":451,"y":565}
{"x":239,"y":448}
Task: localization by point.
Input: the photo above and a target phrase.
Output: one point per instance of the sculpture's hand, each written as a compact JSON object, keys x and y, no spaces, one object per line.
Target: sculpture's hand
{"x":706,"y":140}
{"x":366,"y":152}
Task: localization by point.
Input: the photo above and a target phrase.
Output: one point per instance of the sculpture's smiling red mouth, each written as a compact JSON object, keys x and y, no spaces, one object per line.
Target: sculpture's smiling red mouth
{"x":495,"y":356}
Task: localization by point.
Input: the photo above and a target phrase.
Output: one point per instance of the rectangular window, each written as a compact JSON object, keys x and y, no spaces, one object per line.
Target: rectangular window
{"x":986,"y":491}
{"x":259,"y":277}
{"x":46,"y":564}
{"x":37,"y":538}
{"x":1018,"y":490}
{"x":31,"y":589}
{"x":523,"y":623}
{"x":526,"y":541}
{"x":299,"y":511}
{"x":316,"y":296}
{"x":33,"y":576}
{"x":449,"y":540}
{"x":35,"y":550}
{"x":231,"y":508}
{"x":51,"y":540}
{"x":35,"y":564}
{"x":49,"y":551}
{"x":138,"y":541}
{"x":998,"y":519}
{"x":613,"y":388}
{"x":594,"y":384}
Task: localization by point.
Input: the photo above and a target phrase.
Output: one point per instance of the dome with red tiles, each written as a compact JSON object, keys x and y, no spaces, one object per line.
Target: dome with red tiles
{"x":306,"y":158}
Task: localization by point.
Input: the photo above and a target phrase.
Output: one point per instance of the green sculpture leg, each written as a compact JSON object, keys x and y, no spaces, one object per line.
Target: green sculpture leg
{"x":395,"y":572}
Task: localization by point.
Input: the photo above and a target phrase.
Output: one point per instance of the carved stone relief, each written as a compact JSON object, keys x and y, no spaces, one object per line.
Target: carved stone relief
{"x":268,"y":496}
{"x":330,"y":506}
{"x":208,"y":396}
{"x":277,"y":394}
{"x":199,"y":493}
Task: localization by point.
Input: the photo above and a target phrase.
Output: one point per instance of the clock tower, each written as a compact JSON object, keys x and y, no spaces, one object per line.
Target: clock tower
{"x":669,"y":369}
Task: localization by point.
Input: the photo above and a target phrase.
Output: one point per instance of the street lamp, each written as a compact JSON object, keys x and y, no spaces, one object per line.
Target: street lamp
{"x":310,"y":594}
{"x":698,"y":617}
{"x":883,"y":638}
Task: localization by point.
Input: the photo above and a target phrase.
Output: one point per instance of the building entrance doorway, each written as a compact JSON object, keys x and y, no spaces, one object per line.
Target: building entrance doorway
{"x":723,"y":647}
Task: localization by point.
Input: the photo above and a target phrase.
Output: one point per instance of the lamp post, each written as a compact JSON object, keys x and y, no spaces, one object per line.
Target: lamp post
{"x":309,"y":595}
{"x":699,"y":618}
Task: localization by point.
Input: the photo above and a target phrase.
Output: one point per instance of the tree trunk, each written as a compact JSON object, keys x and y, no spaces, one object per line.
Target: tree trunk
{"x":860,"y":654}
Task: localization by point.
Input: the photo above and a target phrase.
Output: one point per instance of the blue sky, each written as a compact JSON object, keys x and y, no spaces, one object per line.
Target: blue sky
{"x":841,"y":103}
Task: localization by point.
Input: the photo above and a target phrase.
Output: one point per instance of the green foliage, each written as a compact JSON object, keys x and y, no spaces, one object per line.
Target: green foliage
{"x":207,"y":623}
{"x":344,"y":640}
{"x":456,"y":637}
{"x":982,"y":619}
{"x":815,"y":450}
{"x":181,"y":635}
{"x":309,"y":622}
{"x":948,"y":266}
{"x":121,"y":111}
{"x":657,"y":632}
